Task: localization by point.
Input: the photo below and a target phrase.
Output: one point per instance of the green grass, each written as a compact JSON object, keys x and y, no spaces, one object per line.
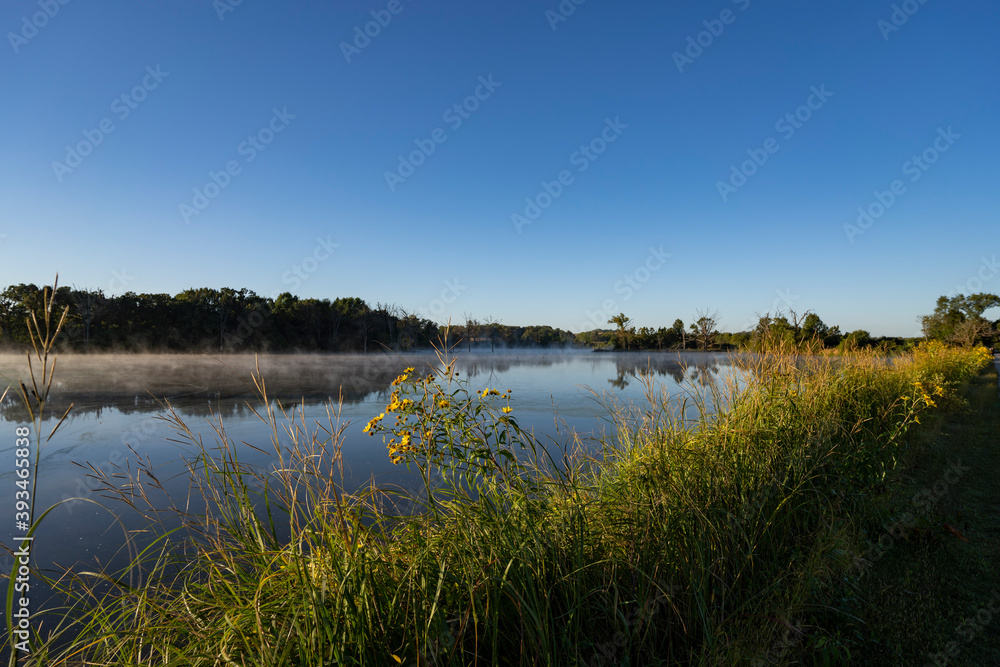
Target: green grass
{"x":933,"y":597}
{"x":712,"y":541}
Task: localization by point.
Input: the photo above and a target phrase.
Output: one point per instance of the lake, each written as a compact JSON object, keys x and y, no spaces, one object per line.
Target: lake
{"x":118,"y":405}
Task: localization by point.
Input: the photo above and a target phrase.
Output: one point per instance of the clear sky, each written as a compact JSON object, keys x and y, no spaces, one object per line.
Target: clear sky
{"x":538,"y":162}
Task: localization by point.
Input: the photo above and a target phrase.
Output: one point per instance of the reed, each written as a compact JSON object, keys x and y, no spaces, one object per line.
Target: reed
{"x":41,"y":370}
{"x":687,"y":536}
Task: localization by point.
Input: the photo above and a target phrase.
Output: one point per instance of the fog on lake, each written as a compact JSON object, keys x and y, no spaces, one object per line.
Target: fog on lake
{"x":118,"y":404}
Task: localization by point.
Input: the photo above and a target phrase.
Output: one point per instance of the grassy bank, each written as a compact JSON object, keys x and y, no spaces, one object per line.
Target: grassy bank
{"x":930,"y":594}
{"x":692,"y":541}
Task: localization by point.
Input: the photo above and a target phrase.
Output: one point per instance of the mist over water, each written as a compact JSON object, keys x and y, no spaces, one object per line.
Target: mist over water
{"x":120,"y":400}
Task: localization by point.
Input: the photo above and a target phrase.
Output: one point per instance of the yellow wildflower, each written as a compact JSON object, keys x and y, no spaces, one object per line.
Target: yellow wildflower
{"x":507,"y":410}
{"x":373,"y":423}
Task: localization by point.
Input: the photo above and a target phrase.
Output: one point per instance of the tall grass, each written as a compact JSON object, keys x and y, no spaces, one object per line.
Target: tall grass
{"x":41,"y":371}
{"x":681,"y":541}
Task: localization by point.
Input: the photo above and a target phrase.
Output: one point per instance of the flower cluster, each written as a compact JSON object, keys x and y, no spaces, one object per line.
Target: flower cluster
{"x":436,"y":419}
{"x":924,"y":393}
{"x":935,"y":390}
{"x":954,"y":364}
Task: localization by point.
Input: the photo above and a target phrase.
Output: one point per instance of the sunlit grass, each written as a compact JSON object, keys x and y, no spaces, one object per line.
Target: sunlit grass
{"x":679,"y":540}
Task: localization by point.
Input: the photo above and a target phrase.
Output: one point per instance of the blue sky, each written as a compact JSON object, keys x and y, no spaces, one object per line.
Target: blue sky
{"x":650,"y":217}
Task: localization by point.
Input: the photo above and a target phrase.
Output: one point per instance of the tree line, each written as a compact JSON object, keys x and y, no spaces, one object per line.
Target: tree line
{"x":958,"y":320}
{"x":230,"y":320}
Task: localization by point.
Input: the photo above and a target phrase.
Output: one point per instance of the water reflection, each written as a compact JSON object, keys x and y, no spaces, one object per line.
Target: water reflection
{"x":134,"y":383}
{"x":202,"y":385}
{"x":118,"y":415}
{"x":119,"y":406}
{"x":651,"y":368}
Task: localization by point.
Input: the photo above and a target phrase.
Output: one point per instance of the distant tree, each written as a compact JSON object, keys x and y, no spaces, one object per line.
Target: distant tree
{"x":622,"y":322}
{"x":833,"y":336}
{"x":385,"y":322}
{"x":224,"y":303}
{"x":856,"y":339}
{"x":661,"y":336}
{"x":676,"y":334}
{"x":16,"y":302}
{"x":703,"y":328}
{"x":357,"y":313}
{"x":198,"y":309}
{"x":796,"y":321}
{"x":813,"y":328}
{"x":471,"y":329}
{"x":644,"y":338}
{"x":960,"y":320}
{"x":788,"y":329}
{"x":12,"y":315}
{"x":595,"y":338}
{"x":366,"y":322}
{"x":973,"y":330}
{"x":490,"y":328}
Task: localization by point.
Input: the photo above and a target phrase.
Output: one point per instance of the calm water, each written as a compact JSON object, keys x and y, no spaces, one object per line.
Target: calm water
{"x":117,"y":407}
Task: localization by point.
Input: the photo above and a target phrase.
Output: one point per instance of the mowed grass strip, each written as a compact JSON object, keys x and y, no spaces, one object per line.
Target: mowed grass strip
{"x":931,"y":593}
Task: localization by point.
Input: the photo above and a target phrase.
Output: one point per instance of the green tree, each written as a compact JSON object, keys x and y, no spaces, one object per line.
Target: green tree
{"x":813,"y":328}
{"x":623,"y":329}
{"x":959,"y":319}
{"x":676,"y":334}
{"x":86,"y":309}
{"x":13,"y":313}
{"x":856,"y":339}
